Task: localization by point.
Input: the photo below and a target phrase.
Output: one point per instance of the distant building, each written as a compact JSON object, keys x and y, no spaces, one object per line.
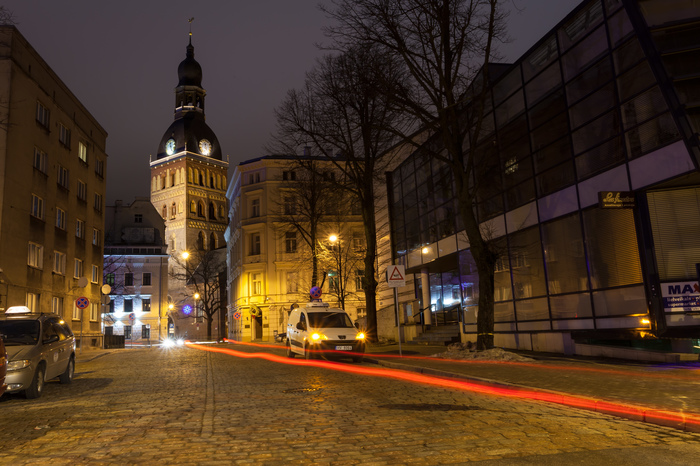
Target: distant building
{"x":52,"y":189}
{"x":595,"y":197}
{"x":269,"y":261}
{"x":136,"y":269}
{"x":188,"y":182}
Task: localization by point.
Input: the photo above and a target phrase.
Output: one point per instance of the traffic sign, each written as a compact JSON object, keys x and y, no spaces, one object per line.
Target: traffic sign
{"x":82,"y":302}
{"x":132,"y":316}
{"x":237,"y":315}
{"x":395,"y":276}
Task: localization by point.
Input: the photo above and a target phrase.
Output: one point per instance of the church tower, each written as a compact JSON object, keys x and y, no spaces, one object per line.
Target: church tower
{"x":188,"y":175}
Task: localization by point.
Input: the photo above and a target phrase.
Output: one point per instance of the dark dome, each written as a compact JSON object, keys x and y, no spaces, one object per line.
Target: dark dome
{"x":189,"y":72}
{"x":187,"y":132}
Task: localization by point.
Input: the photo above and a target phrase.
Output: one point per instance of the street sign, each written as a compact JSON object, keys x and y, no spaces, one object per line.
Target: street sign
{"x":395,"y":276}
{"x":82,"y":302}
{"x":132,"y":316}
{"x":237,"y":315}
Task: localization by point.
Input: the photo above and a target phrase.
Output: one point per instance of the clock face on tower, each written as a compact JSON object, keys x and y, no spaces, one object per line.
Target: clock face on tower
{"x":170,"y":146}
{"x":204,"y":147}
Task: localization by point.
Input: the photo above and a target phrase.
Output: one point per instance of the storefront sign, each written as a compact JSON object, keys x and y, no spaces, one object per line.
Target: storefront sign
{"x":616,"y":199}
{"x":681,"y":296}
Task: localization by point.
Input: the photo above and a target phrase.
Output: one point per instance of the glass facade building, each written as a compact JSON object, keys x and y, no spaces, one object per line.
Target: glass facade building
{"x":606,"y":104}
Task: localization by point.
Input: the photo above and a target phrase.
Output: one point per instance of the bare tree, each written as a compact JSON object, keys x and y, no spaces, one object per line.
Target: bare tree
{"x":201,"y":271}
{"x":445,"y":47}
{"x":344,"y":112}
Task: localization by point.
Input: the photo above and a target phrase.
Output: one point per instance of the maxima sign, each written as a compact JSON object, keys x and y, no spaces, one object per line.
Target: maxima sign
{"x":681,"y":296}
{"x":616,"y":199}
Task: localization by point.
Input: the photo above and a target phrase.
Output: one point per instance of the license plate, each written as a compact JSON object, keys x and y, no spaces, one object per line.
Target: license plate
{"x":343,"y":348}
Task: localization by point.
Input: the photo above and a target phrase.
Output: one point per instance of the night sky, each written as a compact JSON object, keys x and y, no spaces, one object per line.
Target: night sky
{"x":120,"y":59}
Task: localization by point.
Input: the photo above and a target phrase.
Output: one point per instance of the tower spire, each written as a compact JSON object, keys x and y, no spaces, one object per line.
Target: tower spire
{"x":190,"y":21}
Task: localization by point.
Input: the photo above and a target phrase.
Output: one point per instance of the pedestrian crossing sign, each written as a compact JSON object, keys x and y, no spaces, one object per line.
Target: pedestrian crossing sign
{"x":395,"y":276}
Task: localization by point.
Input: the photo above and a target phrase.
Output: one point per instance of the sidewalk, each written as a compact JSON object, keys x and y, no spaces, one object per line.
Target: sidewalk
{"x":658,"y":393}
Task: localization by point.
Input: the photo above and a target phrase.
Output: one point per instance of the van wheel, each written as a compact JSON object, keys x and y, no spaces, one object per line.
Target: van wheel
{"x":357,"y":359}
{"x":290,"y":354}
{"x":37,"y":386}
{"x":307,"y":352}
{"x":67,"y":376}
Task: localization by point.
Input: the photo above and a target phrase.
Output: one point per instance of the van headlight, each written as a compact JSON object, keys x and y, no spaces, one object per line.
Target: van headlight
{"x":18,"y":365}
{"x":360,"y":336}
{"x":318,"y":336}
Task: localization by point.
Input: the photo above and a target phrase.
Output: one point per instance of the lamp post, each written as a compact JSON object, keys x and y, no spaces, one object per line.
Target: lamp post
{"x":338,"y":259}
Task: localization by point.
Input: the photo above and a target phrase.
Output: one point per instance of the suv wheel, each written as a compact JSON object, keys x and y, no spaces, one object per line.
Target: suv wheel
{"x":37,"y":386}
{"x":67,"y":376}
{"x":290,"y":354}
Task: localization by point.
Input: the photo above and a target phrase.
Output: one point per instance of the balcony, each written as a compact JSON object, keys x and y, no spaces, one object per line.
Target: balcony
{"x":255,"y":259}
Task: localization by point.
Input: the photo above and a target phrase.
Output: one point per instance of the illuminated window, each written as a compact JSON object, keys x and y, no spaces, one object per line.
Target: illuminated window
{"x":57,"y":305}
{"x":32,"y":301}
{"x":82,"y":151}
{"x":95,"y":274}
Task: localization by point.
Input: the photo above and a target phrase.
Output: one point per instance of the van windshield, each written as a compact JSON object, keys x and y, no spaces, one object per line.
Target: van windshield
{"x":329,"y":320}
{"x":19,"y":332}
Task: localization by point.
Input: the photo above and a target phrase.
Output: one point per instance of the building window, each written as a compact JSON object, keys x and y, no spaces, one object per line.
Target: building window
{"x":256,"y":283}
{"x":79,"y":228}
{"x":78,"y":268}
{"x":138,"y":218}
{"x":173,"y":210}
{"x":98,"y":202}
{"x":255,"y":208}
{"x":62,"y":177}
{"x":42,"y":115}
{"x":57,"y":305}
{"x":145,"y":332}
{"x":94,"y":311}
{"x":64,"y":135}
{"x":358,"y":241}
{"x":36,"y":256}
{"x":164,"y":213}
{"x":289,"y":176}
{"x":290,"y":207}
{"x":60,"y":218}
{"x":40,"y":160}
{"x":82,"y":151}
{"x":99,"y":167}
{"x":254,"y":178}
{"x":59,"y":263}
{"x":200,"y":209}
{"x":77,"y":312}
{"x":333,"y":281}
{"x":82,"y":191}
{"x":37,"y":207}
{"x":128,"y":279}
{"x":147,"y":279}
{"x":33,"y":302}
{"x":95,"y":274}
{"x":359,"y":279}
{"x":96,"y":237}
{"x":292,"y":280}
{"x":109,"y":279}
{"x":290,"y":242}
{"x":146,"y":305}
{"x":127,"y":332}
{"x":255,"y":244}
{"x":128,"y":305}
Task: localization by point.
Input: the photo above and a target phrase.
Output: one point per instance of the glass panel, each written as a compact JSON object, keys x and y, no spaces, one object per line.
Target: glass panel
{"x":532,"y":309}
{"x":546,"y":134}
{"x":612,"y":5}
{"x":677,"y":38}
{"x":563,"y":255}
{"x":546,"y":82}
{"x":511,"y":108}
{"x":688,"y":90}
{"x":445,"y":217}
{"x":503,"y":312}
{"x":520,"y":195}
{"x":503,"y":290}
{"x":635,"y":80}
{"x":470,"y":278}
{"x":547,"y":108}
{"x":518,"y":150}
{"x":658,"y":12}
{"x":628,"y":55}
{"x":651,"y":135}
{"x":526,"y":263}
{"x":555,"y":179}
{"x":643,"y":107}
{"x":601,"y":129}
{"x":517,"y":171}
{"x":598,"y":159}
{"x":619,"y":27}
{"x":506,"y":86}
{"x":620,"y":301}
{"x":592,"y":79}
{"x":514,"y":131}
{"x":572,"y":306}
{"x":588,"y":51}
{"x":583,"y":22}
{"x":612,"y":247}
{"x":682,"y":64}
{"x":540,"y":58}
{"x":592,"y":106}
{"x":552,"y":155}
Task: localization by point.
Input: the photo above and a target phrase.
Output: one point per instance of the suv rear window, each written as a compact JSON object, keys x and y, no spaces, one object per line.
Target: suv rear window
{"x":329,"y":320}
{"x":20,"y":332}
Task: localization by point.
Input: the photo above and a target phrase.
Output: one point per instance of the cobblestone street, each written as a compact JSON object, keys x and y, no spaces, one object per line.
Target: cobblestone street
{"x":186,"y":406}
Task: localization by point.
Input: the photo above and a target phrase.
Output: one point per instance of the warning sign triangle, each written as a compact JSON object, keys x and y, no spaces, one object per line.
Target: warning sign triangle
{"x":395,"y":274}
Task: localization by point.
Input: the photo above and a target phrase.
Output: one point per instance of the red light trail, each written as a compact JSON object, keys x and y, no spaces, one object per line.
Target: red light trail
{"x":685,"y":421}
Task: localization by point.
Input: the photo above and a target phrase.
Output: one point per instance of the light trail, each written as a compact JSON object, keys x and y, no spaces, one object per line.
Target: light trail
{"x":551,"y":367}
{"x":685,"y":421}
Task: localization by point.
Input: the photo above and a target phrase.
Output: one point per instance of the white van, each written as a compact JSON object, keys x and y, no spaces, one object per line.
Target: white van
{"x":320,"y":330}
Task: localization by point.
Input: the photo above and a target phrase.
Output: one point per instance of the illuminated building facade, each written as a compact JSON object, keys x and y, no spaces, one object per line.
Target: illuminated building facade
{"x":596,"y":198}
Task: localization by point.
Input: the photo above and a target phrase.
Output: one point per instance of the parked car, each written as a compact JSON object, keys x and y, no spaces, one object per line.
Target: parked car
{"x":3,"y":365}
{"x":320,"y":330}
{"x":39,"y":347}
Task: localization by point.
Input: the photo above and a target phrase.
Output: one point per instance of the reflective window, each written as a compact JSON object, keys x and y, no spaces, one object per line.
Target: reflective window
{"x":598,"y":130}
{"x":540,"y":58}
{"x":546,"y":82}
{"x":628,"y":55}
{"x":579,"y":25}
{"x":527,"y":266}
{"x":651,"y":135}
{"x":598,"y":159}
{"x":588,"y":51}
{"x":589,"y":81}
{"x":592,"y":106}
{"x":564,"y":255}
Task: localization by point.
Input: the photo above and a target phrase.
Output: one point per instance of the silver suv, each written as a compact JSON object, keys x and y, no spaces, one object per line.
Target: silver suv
{"x":39,"y":347}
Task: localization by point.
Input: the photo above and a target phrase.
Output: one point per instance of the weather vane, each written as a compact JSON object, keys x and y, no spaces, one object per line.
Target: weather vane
{"x":190,"y":21}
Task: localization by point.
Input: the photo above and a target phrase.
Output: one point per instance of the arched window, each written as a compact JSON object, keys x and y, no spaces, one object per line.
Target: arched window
{"x":193,"y":207}
{"x":173,"y":210}
{"x":201,"y":241}
{"x":212,"y":211}
{"x":200,"y":209}
{"x":212,"y":241}
{"x":189,"y":175}
{"x":164,"y":212}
